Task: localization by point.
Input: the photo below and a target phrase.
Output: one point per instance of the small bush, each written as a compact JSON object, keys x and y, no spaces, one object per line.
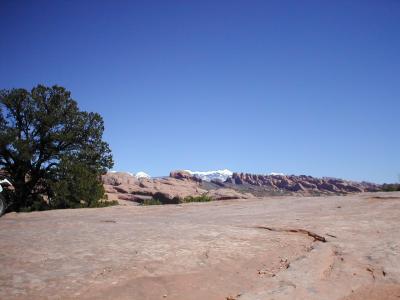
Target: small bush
{"x":103,"y":203}
{"x":202,"y":198}
{"x":160,"y":199}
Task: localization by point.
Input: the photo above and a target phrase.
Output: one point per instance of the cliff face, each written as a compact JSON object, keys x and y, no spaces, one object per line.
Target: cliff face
{"x":302,"y":183}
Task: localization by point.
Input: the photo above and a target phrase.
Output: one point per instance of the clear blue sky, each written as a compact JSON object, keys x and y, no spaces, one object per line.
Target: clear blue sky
{"x":300,"y":87}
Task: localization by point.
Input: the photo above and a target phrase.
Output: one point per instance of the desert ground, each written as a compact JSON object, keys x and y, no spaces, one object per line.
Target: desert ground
{"x":332,"y":247}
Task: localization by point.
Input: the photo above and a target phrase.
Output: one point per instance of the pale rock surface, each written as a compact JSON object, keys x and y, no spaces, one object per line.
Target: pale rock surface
{"x":228,"y":194}
{"x":216,"y":250}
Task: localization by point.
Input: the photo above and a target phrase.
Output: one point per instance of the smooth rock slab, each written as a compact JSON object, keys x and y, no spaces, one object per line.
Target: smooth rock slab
{"x":211,"y":250}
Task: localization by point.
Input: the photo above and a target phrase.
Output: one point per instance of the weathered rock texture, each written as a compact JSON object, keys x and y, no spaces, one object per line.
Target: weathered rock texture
{"x":330,"y":248}
{"x":302,"y":183}
{"x":181,"y":174}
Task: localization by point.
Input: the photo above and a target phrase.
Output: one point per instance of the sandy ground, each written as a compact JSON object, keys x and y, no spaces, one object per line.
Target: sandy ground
{"x":219,"y":250}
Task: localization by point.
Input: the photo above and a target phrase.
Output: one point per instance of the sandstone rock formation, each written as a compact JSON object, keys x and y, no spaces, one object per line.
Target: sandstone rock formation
{"x":302,"y":183}
{"x":125,"y":187}
{"x":180,"y":184}
{"x":181,"y":174}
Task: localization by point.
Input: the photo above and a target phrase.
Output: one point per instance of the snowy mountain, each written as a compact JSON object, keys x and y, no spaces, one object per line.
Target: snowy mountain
{"x":211,"y":175}
{"x":137,"y":175}
{"x":142,"y":175}
{"x":204,"y":175}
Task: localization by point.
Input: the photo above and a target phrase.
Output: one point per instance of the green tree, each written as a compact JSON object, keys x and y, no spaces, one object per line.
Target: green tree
{"x":76,"y":186}
{"x":53,"y":152}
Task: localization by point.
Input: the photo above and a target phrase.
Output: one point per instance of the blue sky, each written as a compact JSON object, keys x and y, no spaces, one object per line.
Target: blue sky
{"x":299,"y":87}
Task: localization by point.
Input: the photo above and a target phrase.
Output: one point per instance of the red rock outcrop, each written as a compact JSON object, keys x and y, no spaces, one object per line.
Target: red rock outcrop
{"x":123,"y":186}
{"x":181,"y":184}
{"x":182,"y":174}
{"x":303,"y":183}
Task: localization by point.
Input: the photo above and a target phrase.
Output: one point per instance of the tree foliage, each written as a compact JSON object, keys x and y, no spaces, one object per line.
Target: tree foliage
{"x":52,"y":151}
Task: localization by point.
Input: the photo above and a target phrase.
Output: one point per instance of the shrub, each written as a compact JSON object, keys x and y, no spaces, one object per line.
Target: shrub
{"x":201,"y":198}
{"x":160,"y":199}
{"x":103,"y":204}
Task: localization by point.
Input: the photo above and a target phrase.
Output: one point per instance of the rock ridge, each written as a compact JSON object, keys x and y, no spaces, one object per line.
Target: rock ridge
{"x":302,"y":183}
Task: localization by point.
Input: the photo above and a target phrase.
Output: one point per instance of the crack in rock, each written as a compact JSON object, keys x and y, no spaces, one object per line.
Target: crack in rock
{"x":303,"y":231}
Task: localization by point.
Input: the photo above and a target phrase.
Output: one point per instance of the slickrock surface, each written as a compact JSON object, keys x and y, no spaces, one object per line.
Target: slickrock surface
{"x":337,"y":247}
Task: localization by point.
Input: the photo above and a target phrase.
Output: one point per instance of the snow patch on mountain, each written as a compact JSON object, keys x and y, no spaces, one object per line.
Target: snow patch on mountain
{"x":137,"y":175}
{"x":212,"y":175}
{"x":142,"y":175}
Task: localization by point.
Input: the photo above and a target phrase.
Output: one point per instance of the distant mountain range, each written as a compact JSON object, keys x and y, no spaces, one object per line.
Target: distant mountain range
{"x":261,"y":184}
{"x":222,"y":175}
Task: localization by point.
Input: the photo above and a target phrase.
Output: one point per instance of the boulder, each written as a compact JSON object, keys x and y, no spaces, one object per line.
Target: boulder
{"x":118,"y":178}
{"x":181,"y":174}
